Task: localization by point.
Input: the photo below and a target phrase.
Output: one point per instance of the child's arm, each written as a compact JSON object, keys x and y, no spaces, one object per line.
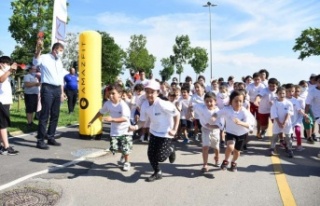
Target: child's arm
{"x":286,"y":119}
{"x":257,"y":100}
{"x":94,"y":118}
{"x":212,"y":126}
{"x":241,"y":123}
{"x":278,"y":122}
{"x":115,"y":120}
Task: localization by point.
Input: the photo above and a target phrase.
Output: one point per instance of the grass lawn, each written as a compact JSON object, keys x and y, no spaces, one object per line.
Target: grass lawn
{"x":19,"y":120}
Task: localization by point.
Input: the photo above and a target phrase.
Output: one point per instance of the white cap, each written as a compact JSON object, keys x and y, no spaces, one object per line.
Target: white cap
{"x":152,"y":84}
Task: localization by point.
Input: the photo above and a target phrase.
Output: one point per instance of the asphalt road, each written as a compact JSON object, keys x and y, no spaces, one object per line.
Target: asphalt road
{"x":99,"y":180}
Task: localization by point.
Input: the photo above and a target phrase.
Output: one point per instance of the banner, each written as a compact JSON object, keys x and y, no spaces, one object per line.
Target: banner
{"x":59,"y":21}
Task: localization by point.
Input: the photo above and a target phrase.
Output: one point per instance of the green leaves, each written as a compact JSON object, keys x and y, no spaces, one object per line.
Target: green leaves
{"x":138,"y":57}
{"x":308,"y":43}
{"x":199,"y":60}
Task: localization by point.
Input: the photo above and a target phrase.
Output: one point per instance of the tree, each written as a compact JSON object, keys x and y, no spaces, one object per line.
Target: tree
{"x":1,"y":53}
{"x":168,"y":69}
{"x":199,"y":60}
{"x":71,"y":50}
{"x":112,"y":59}
{"x":308,"y":43}
{"x":182,"y":52}
{"x":138,"y":57}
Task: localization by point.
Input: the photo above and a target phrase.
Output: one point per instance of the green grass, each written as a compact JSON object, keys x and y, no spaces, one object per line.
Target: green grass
{"x":19,"y":120}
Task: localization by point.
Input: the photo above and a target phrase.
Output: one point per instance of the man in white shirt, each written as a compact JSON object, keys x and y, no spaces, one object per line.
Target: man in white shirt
{"x":52,"y":94}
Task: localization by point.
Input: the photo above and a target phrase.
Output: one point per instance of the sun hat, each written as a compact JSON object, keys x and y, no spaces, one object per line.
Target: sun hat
{"x":152,"y":84}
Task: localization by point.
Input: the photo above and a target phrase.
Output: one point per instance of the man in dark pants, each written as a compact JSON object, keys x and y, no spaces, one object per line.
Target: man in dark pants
{"x":51,"y":93}
{"x":71,"y":89}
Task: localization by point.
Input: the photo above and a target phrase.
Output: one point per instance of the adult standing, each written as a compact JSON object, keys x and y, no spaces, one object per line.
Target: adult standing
{"x":31,"y":94}
{"x":71,"y":89}
{"x":51,"y":92}
{"x":6,"y":69}
{"x":164,"y":122}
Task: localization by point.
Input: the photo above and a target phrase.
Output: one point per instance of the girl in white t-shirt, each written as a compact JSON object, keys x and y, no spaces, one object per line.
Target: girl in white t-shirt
{"x":210,"y":129}
{"x":239,"y":121}
{"x":281,"y":112}
{"x":121,"y":138}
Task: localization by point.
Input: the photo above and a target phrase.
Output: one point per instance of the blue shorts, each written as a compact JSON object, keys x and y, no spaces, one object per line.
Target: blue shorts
{"x":186,"y":123}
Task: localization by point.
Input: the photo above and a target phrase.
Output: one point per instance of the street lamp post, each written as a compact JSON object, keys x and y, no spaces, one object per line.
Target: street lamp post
{"x":209,"y":5}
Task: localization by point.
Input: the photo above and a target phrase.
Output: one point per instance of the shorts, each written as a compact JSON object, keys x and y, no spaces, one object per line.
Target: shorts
{"x":121,"y":144}
{"x":238,"y":140}
{"x":263,"y":119}
{"x":31,"y":102}
{"x":309,"y":125}
{"x":210,"y":138}
{"x":4,"y":116}
{"x":137,"y":113}
{"x":196,"y":124}
{"x":254,"y":110}
{"x":186,"y":123}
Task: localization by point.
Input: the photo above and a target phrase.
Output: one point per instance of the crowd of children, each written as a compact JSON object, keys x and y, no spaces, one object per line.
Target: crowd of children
{"x":220,"y":115}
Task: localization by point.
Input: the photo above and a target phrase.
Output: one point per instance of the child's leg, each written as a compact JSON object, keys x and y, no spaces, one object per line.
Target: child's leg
{"x":205,"y":154}
{"x":236,"y":154}
{"x":4,"y":137}
{"x":288,"y":140}
{"x":229,"y":149}
{"x":273,"y":141}
{"x":297,"y":131}
{"x":216,"y":155}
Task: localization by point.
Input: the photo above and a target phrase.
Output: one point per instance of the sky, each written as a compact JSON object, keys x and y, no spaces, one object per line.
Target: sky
{"x":247,"y":35}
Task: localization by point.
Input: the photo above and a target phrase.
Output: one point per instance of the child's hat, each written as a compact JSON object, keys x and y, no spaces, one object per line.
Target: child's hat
{"x":152,"y":84}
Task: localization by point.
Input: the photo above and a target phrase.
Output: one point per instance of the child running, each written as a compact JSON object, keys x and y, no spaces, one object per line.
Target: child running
{"x":210,"y":130}
{"x":239,"y":122}
{"x":281,"y":112}
{"x":121,"y":139}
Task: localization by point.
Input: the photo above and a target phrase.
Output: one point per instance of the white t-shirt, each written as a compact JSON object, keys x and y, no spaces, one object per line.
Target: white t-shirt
{"x":32,"y":79}
{"x":116,"y":111}
{"x":205,"y":116}
{"x":253,"y":91}
{"x":196,"y":99}
{"x":5,"y":89}
{"x":267,"y":98}
{"x":184,"y":105}
{"x":243,"y":115}
{"x":313,"y":99}
{"x":160,"y":114}
{"x":296,"y":118}
{"x":280,"y":110}
{"x":223,"y":100}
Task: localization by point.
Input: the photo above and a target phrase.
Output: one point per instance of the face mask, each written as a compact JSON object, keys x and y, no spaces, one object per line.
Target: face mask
{"x":303,"y":89}
{"x":59,"y":54}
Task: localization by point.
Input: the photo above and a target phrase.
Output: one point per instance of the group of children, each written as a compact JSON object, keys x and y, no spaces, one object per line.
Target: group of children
{"x":221,"y":114}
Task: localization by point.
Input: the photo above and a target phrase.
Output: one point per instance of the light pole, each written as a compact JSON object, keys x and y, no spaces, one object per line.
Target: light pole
{"x":209,"y":5}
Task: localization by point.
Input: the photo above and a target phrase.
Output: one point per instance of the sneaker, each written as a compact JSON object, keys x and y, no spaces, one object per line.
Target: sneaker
{"x":314,"y":137}
{"x":154,"y":176}
{"x":172,"y":156}
{"x":204,"y":169}
{"x":310,"y":140}
{"x":186,"y":141}
{"x":197,"y":137}
{"x":53,"y":142}
{"x":263,"y":134}
{"x":141,"y":138}
{"x":126,"y":166}
{"x":224,"y":165}
{"x":233,"y":167}
{"x":290,"y":154}
{"x":1,"y":148}
{"x":300,"y":148}
{"x":272,"y":152}
{"x":222,"y":144}
{"x":122,"y":161}
{"x":9,"y":151}
{"x":42,"y":145}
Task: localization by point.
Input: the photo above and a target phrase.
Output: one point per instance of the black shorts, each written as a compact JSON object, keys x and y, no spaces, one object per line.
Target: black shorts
{"x":239,"y":140}
{"x":31,"y":102}
{"x":4,"y":116}
{"x":186,"y":123}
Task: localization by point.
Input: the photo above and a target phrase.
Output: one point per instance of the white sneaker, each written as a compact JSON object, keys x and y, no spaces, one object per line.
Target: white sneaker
{"x":126,"y":166}
{"x":300,"y":148}
{"x":122,"y":159}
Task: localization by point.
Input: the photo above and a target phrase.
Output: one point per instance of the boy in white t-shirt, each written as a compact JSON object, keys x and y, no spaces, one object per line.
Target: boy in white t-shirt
{"x":121,"y":138}
{"x":281,"y":112}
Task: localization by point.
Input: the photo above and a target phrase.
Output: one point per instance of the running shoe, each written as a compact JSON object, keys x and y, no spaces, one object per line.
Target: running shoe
{"x":290,"y":154}
{"x":233,"y":167}
{"x":224,"y":165}
{"x":300,"y":148}
{"x":126,"y":166}
{"x":154,"y":176}
{"x":9,"y":151}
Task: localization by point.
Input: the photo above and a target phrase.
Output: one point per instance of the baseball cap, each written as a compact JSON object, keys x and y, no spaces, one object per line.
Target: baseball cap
{"x":152,"y":84}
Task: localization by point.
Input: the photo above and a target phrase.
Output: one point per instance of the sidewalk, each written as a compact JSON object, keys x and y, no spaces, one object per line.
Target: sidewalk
{"x":100,"y":180}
